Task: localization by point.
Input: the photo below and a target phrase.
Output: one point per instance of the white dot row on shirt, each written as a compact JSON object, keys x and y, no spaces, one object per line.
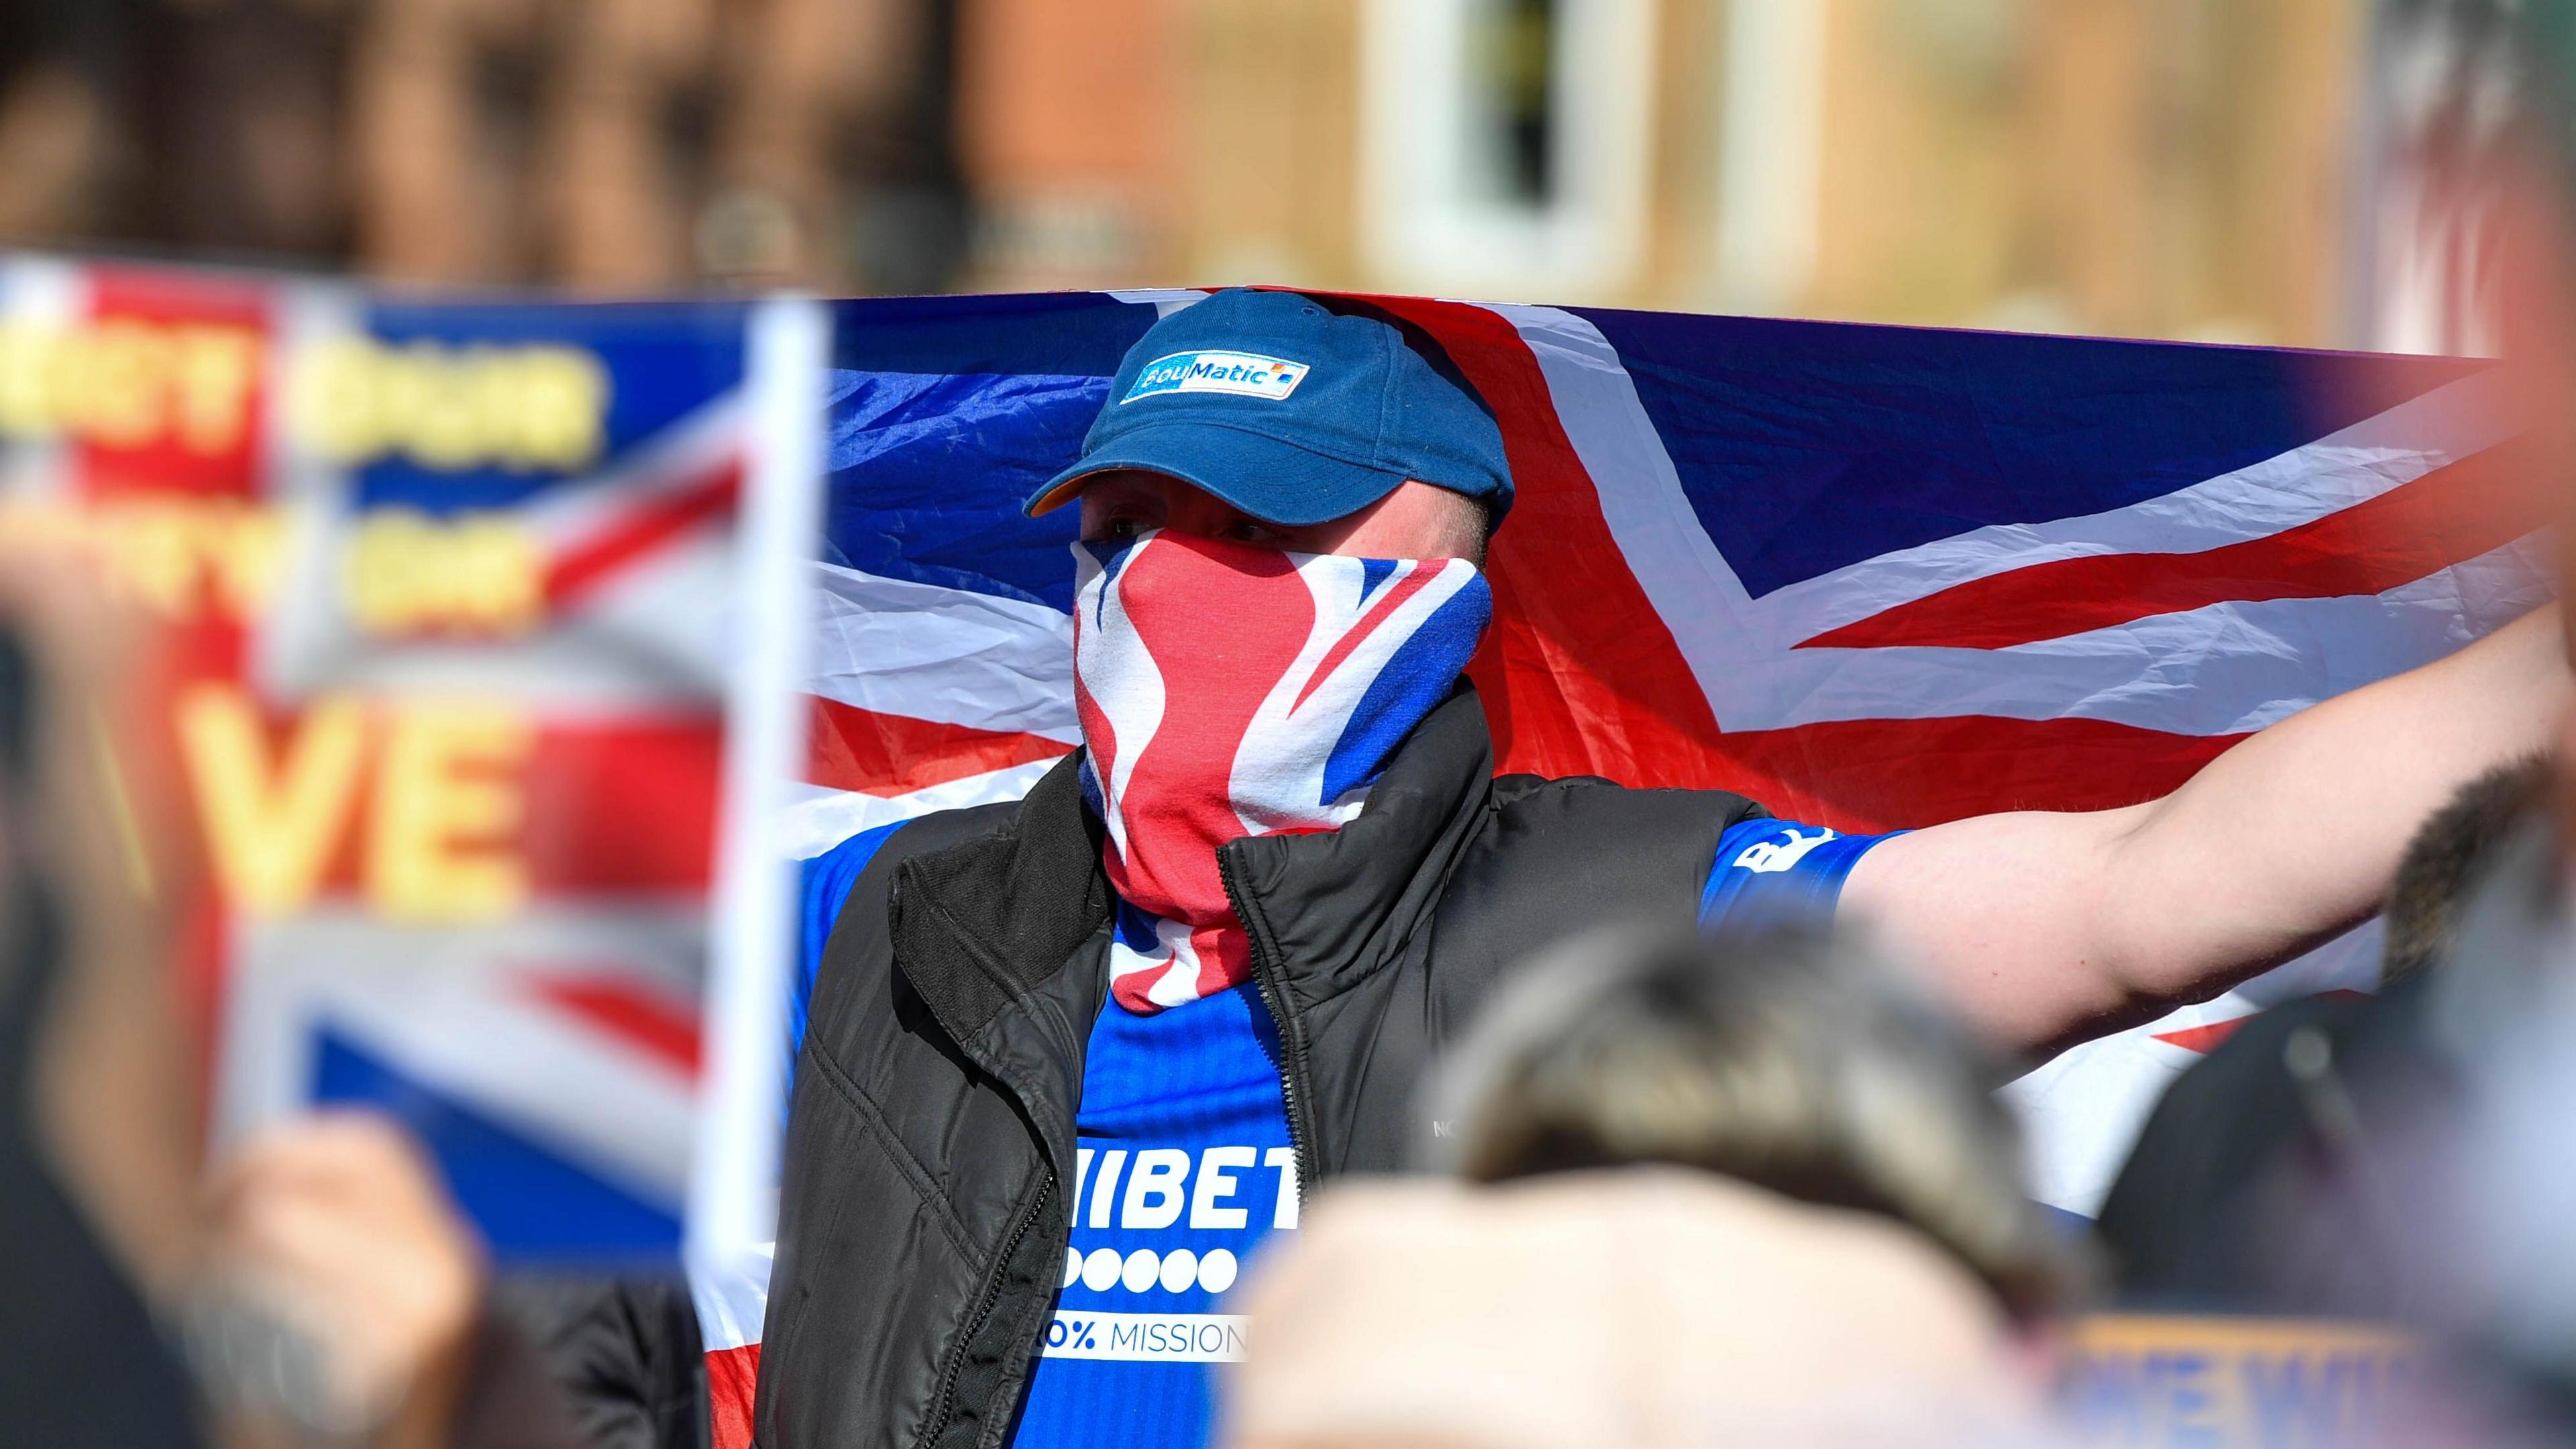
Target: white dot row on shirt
{"x":1142,"y":1270}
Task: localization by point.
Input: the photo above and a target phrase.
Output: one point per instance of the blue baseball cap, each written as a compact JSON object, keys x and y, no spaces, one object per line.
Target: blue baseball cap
{"x":1290,"y":411}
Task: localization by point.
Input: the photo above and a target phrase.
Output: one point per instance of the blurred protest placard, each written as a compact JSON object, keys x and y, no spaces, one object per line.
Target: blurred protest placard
{"x":462,"y":594}
{"x":2234,"y":1383}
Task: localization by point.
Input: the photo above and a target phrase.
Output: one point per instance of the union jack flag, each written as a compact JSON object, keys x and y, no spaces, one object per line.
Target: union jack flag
{"x":1873,"y":577}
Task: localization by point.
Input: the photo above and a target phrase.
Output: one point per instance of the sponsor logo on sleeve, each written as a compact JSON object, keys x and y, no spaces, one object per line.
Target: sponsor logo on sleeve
{"x":1245,"y":374}
{"x":1770,"y":856}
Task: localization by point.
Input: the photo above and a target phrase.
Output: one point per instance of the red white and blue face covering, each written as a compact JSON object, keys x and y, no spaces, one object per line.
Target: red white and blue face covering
{"x":1228,"y":691}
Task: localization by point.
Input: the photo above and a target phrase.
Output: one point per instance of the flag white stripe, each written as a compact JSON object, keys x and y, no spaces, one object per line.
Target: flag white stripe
{"x":731,"y":1293}
{"x":819,"y":818}
{"x":625,"y":1117}
{"x":2249,"y":664}
{"x":679,"y":461}
{"x":951,"y":655}
{"x":456,"y":1010}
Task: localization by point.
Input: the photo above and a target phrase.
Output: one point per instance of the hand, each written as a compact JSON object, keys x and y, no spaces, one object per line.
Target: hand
{"x":334,"y":1235}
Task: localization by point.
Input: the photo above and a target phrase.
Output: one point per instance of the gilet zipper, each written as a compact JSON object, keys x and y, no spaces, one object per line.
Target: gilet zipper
{"x":1294,"y":1066}
{"x":985,"y":1303}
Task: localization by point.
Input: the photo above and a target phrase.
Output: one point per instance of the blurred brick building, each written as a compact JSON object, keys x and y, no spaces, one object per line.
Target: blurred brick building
{"x":2148,"y":167}
{"x":2145,"y":167}
{"x":603,"y":145}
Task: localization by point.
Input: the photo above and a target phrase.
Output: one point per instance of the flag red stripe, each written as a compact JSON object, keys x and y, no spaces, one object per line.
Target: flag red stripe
{"x":623,"y":1010}
{"x":733,"y":1376}
{"x":1864,"y":776}
{"x":2210,"y":1037}
{"x":1387,"y":603}
{"x":623,"y":805}
{"x":890,"y":754}
{"x":2451,"y":514}
{"x":581,"y":569}
{"x":2202,"y":1038}
{"x":1579,"y":674}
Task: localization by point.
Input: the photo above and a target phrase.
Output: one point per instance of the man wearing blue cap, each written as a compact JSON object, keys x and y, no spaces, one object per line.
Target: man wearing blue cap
{"x":1069,"y":1059}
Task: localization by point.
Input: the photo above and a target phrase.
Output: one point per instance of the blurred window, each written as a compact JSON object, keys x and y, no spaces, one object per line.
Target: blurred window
{"x":1511,"y":95}
{"x":1505,"y":143}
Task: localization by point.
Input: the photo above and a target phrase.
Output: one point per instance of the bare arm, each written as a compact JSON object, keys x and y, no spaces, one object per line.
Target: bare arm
{"x":2049,"y":928}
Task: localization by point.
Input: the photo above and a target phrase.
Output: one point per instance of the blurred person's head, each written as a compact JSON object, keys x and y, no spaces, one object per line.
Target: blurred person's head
{"x":1645,"y":1307}
{"x":1702,"y":1191}
{"x":1799,"y":1063}
{"x":2446,"y":859}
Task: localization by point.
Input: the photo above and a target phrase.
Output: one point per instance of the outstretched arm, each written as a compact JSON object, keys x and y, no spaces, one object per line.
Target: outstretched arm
{"x":2045,"y":929}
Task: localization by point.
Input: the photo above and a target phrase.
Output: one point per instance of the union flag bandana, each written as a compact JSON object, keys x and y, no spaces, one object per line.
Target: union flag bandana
{"x":1228,"y":691}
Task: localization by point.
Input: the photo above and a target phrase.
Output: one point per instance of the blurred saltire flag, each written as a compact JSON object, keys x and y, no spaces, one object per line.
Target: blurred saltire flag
{"x":1871,"y":576}
{"x":458,"y":590}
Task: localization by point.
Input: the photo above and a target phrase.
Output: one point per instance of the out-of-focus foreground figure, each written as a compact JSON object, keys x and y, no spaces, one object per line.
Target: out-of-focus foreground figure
{"x":2223,"y":1203}
{"x":2404,"y":1158}
{"x":1714,"y":1193}
{"x":318,"y":1286}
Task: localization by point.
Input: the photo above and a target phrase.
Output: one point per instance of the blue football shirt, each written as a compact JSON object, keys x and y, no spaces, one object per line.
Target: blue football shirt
{"x":1184,"y":1167}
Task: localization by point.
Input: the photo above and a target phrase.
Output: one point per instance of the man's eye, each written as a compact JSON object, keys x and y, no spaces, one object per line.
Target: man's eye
{"x":1245,"y":530}
{"x":1119,"y":530}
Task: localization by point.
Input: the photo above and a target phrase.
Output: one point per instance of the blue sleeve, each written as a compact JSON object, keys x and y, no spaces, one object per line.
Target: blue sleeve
{"x":1774,"y":872}
{"x":822,"y":884}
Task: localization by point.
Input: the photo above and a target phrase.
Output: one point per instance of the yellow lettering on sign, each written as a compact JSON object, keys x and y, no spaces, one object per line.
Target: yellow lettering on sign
{"x":245,"y":549}
{"x":407,"y":573}
{"x":155,"y":548}
{"x":126,"y":383}
{"x":562,"y":408}
{"x":215,"y":370}
{"x":114,"y":381}
{"x":271,"y":825}
{"x":448,"y":791}
{"x":26,"y":409}
{"x":183,"y":555}
{"x":332,"y":399}
{"x":450,"y":408}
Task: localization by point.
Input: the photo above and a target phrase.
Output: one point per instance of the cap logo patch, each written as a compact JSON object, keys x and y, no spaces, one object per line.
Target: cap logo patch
{"x":1246,"y":374}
